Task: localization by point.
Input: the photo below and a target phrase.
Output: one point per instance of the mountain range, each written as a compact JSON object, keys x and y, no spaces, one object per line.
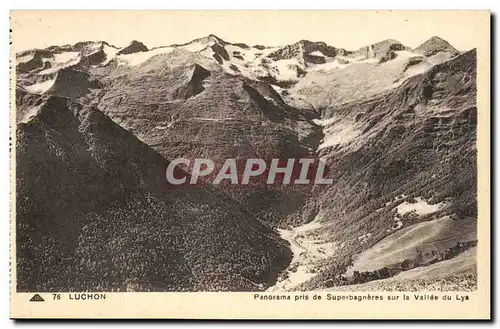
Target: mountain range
{"x":97,"y":125}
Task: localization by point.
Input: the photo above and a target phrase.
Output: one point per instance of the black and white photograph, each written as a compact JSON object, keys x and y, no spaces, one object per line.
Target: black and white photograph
{"x":238,"y":156}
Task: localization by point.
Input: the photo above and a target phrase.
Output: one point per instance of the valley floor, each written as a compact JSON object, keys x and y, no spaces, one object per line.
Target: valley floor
{"x":308,"y":253}
{"x":455,"y":274}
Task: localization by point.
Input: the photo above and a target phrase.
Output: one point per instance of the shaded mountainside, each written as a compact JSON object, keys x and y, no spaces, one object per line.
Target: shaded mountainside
{"x":95,"y":213}
{"x":97,"y":125}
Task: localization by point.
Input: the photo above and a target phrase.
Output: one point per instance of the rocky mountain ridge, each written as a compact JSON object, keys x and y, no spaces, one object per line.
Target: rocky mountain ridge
{"x":396,"y":127}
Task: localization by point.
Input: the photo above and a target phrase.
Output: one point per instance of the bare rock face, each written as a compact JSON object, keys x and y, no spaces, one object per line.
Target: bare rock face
{"x":381,"y":49}
{"x":72,"y":83}
{"x":31,"y":60}
{"x":194,"y":86}
{"x":133,"y":47}
{"x":304,"y":51}
{"x":390,"y":55}
{"x":93,"y":55}
{"x":220,"y":53}
{"x":412,"y":61}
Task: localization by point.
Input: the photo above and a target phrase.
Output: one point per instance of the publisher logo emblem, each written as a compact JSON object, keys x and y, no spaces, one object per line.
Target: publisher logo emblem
{"x":37,"y":298}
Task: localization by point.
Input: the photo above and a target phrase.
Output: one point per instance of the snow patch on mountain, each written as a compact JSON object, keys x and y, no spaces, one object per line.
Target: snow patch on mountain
{"x":324,"y":122}
{"x":330,"y":65}
{"x":286,"y":69}
{"x":66,"y":58}
{"x":339,"y":133}
{"x":194,"y":47}
{"x":25,"y":58}
{"x":420,"y":207}
{"x":110,"y":53}
{"x":60,"y":61}
{"x":138,"y":58}
{"x":41,"y":87}
{"x":28,"y":114}
{"x":317,"y":53}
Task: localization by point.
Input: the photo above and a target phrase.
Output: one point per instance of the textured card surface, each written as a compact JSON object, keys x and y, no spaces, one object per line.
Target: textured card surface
{"x":250,"y":164}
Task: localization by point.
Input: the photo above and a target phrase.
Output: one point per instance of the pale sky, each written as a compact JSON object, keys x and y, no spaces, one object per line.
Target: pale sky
{"x":344,"y":29}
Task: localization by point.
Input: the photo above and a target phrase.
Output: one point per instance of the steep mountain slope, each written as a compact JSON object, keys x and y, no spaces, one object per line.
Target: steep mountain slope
{"x":184,"y":104}
{"x":97,"y":125}
{"x":184,"y":107}
{"x":401,"y":158}
{"x":94,"y":212}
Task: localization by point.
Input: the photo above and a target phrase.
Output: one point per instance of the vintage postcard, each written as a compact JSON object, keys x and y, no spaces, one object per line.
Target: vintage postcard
{"x":250,"y":164}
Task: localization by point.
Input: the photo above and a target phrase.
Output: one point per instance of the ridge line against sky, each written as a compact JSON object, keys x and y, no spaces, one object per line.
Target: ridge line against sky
{"x":350,"y":30}
{"x":234,"y":42}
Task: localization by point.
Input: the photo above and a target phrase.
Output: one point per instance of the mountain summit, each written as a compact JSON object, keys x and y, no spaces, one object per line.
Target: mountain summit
{"x":133,"y":47}
{"x":435,"y":45}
